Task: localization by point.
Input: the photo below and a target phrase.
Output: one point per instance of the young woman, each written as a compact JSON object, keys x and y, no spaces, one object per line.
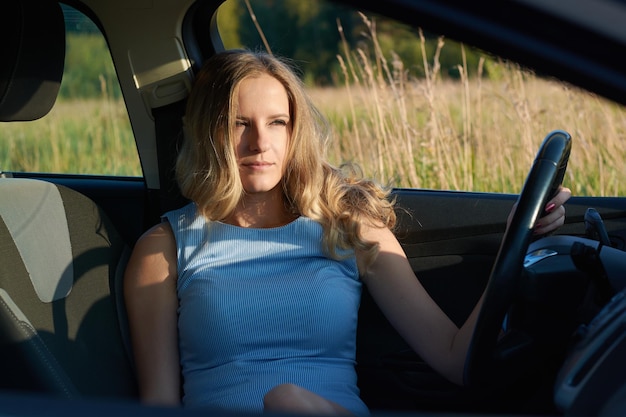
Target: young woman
{"x":250,"y":293}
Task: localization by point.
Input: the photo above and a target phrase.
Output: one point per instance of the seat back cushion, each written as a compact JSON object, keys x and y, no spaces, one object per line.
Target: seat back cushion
{"x":59,"y":302}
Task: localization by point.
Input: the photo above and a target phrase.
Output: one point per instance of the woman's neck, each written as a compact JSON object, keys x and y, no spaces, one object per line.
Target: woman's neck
{"x":263,"y":210}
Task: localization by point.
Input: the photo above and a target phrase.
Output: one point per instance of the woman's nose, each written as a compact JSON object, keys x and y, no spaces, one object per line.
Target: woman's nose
{"x":258,"y":140}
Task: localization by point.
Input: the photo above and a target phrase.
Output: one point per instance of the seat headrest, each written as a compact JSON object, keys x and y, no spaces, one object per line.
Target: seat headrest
{"x":32,"y":47}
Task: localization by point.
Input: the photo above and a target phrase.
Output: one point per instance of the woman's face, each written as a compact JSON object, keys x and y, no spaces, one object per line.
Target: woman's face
{"x":262,"y":132}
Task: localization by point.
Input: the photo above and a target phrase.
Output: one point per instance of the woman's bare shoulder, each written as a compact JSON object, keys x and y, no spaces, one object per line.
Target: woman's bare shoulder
{"x":154,"y":254}
{"x":160,"y":233}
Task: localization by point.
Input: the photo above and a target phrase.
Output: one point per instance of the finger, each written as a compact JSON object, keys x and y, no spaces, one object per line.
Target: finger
{"x":552,"y":216}
{"x":559,"y":199}
{"x":551,"y":221}
{"x":549,"y":228}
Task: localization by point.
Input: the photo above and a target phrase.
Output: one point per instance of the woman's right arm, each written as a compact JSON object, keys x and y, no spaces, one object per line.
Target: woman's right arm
{"x":152,"y":303}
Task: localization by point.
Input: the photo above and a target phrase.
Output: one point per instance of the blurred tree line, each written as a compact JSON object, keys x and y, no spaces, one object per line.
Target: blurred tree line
{"x":89,"y":70}
{"x":306,"y":31}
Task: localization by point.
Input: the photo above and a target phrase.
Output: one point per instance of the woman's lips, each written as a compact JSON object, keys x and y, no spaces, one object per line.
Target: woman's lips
{"x":257,"y":165}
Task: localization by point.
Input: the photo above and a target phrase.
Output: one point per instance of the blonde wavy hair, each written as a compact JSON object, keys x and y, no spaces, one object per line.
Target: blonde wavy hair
{"x":340,"y":199}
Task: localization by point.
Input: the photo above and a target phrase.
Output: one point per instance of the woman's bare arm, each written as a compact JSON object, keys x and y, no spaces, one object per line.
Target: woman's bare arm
{"x":410,"y":309}
{"x":152,"y":302}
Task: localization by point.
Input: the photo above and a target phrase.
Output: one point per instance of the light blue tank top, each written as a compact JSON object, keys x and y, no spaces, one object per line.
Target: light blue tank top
{"x":261,"y":307}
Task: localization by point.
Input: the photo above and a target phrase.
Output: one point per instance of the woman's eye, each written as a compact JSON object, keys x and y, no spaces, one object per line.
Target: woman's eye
{"x":280,"y":122}
{"x":241,"y":123}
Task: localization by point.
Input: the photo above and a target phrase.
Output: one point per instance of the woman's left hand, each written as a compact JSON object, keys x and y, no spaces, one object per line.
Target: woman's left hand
{"x":555,"y":209}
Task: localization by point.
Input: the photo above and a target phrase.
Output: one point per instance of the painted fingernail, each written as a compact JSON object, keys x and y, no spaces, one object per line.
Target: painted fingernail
{"x":550,"y":207}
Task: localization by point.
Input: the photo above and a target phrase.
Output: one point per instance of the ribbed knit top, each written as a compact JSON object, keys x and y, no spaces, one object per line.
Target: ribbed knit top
{"x":261,"y":307}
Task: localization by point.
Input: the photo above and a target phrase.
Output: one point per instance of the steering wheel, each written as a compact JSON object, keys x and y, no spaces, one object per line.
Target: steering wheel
{"x":487,"y":354}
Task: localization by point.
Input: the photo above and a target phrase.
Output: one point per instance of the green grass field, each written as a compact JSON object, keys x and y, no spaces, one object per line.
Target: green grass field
{"x":77,"y":137}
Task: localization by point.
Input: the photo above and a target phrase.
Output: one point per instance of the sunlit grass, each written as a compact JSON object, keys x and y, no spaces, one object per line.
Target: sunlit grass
{"x":488,"y":145}
{"x":474,"y":134}
{"x":76,"y":137}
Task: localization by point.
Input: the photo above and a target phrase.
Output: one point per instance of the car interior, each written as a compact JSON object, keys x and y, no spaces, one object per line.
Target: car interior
{"x":64,"y":241}
{"x":62,"y":258}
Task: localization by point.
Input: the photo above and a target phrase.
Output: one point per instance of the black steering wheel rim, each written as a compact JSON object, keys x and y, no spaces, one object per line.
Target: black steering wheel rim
{"x":546,"y":174}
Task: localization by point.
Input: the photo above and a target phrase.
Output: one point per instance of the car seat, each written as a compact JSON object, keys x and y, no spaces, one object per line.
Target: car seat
{"x":61,"y":264}
{"x":62,"y":327}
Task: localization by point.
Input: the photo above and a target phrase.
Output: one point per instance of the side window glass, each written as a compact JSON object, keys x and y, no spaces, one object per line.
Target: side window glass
{"x":419,"y":110}
{"x":88,"y":130}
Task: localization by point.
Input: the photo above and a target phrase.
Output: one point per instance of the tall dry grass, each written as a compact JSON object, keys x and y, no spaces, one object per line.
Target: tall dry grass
{"x":472,"y":134}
